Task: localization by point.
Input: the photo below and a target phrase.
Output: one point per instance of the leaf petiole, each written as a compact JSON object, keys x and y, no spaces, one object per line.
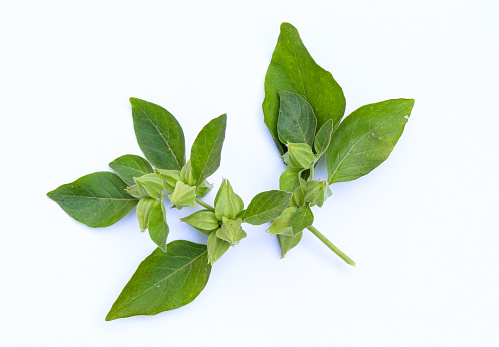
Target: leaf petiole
{"x":204,"y":204}
{"x":331,"y":246}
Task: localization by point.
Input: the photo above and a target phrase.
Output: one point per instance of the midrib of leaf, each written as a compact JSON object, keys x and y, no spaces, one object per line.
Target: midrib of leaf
{"x":93,"y":197}
{"x":159,"y":132}
{"x":355,"y":144}
{"x":164,"y":279}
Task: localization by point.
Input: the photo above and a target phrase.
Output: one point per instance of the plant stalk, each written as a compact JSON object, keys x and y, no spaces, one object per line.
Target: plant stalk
{"x":204,"y":204}
{"x":331,"y":246}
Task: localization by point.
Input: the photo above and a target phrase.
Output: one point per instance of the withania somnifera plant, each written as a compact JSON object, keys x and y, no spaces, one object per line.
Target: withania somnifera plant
{"x":303,"y":109}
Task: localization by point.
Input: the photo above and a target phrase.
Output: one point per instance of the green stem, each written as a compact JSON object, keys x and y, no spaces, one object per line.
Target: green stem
{"x":331,"y":246}
{"x":204,"y":204}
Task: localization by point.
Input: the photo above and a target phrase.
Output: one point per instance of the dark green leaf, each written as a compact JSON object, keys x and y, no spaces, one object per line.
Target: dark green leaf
{"x":159,"y":135}
{"x":296,"y":122}
{"x":158,"y":228}
{"x":292,"y":69}
{"x":302,"y":218}
{"x":129,"y":166}
{"x":323,"y":138}
{"x":164,"y":281}
{"x":97,"y":200}
{"x":266,"y":206}
{"x":288,"y":242}
{"x":207,"y":149}
{"x":366,"y":138}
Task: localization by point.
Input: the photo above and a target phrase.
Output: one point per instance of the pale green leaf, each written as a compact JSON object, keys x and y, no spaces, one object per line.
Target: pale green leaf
{"x":302,"y":218}
{"x":129,"y":166}
{"x":266,"y":206}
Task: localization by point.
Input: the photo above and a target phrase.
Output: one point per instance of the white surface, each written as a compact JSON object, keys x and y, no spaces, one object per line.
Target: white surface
{"x":422,"y":227}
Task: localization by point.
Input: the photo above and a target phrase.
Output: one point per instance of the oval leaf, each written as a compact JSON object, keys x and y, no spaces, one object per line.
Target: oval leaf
{"x":292,"y":69}
{"x":289,"y":180}
{"x":97,"y":200}
{"x":129,"y":166}
{"x":302,"y":218}
{"x":323,"y":138}
{"x":164,"y":281}
{"x":366,"y":138}
{"x":266,"y":206}
{"x":159,"y":135}
{"x":206,"y":150}
{"x":296,"y":122}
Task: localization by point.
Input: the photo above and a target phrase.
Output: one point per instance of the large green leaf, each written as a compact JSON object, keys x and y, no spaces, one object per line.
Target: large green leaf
{"x":366,"y":138}
{"x":296,"y":121}
{"x":266,"y":206}
{"x":292,"y":69}
{"x":164,"y":281}
{"x":206,"y":150}
{"x":159,"y":135}
{"x":129,"y":166}
{"x":97,"y":200}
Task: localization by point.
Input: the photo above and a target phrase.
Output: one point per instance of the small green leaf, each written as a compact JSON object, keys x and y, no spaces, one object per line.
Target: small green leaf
{"x":266,"y":206}
{"x":288,"y":242}
{"x":216,"y":247}
{"x":158,"y":228}
{"x":97,"y":200}
{"x":366,"y":138}
{"x":204,"y":220}
{"x":204,"y":188}
{"x":169,"y":178}
{"x":150,"y":185}
{"x":292,"y":69}
{"x":231,"y":231}
{"x":164,"y":281}
{"x":129,"y":166}
{"x":302,"y":218}
{"x":316,"y":192}
{"x":298,"y":198}
{"x":144,"y":208}
{"x":296,"y":122}
{"x":227,"y":203}
{"x":183,"y":195}
{"x":134,"y":191}
{"x":159,"y":135}
{"x":323,"y":138}
{"x":207,"y":149}
{"x":290,"y":179}
{"x":282,"y":224}
{"x":300,"y":155}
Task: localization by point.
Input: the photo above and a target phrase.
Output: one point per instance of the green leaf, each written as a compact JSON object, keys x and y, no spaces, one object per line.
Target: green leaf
{"x":296,"y":122}
{"x":207,"y":149}
{"x":204,"y":188}
{"x":150,"y":185}
{"x":282,"y":224}
{"x":204,"y":220}
{"x":292,"y":69}
{"x":266,"y":206}
{"x":158,"y":228}
{"x":159,"y":135}
{"x":129,"y":166}
{"x":323,"y":138}
{"x":164,"y":281}
{"x":302,"y":218}
{"x":366,"y":138}
{"x":97,"y":200}
{"x":290,"y":179}
{"x":316,"y":192}
{"x":216,"y":247}
{"x":288,"y":242}
{"x":300,"y":155}
{"x":144,"y":208}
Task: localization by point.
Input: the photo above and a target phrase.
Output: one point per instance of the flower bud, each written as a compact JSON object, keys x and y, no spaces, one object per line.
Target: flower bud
{"x":134,"y":191}
{"x":227,"y":203}
{"x":169,"y":178}
{"x":316,"y":192}
{"x":231,"y":231}
{"x":300,"y":155}
{"x":204,"y":221}
{"x":183,"y":195}
{"x":186,"y":174}
{"x":149,"y":185}
{"x":144,"y":207}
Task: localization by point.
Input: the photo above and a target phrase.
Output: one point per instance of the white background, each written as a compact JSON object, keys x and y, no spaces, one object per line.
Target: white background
{"x":422,"y":227}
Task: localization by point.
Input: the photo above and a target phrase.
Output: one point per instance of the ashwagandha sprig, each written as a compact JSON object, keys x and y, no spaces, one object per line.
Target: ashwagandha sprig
{"x":303,"y":109}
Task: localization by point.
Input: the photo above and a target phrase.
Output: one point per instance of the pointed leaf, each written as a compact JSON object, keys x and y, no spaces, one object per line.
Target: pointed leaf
{"x":207,"y":149}
{"x":158,"y":228}
{"x":159,"y":135}
{"x":288,"y":242}
{"x":282,"y":224}
{"x":323,"y":138}
{"x":302,"y":218}
{"x":129,"y":166}
{"x":97,"y":200}
{"x":292,"y":69}
{"x":266,"y":206}
{"x":164,"y":281}
{"x":366,"y":138}
{"x":296,"y":122}
{"x":216,"y":247}
{"x":227,"y":203}
{"x":204,"y":220}
{"x":290,"y":179}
